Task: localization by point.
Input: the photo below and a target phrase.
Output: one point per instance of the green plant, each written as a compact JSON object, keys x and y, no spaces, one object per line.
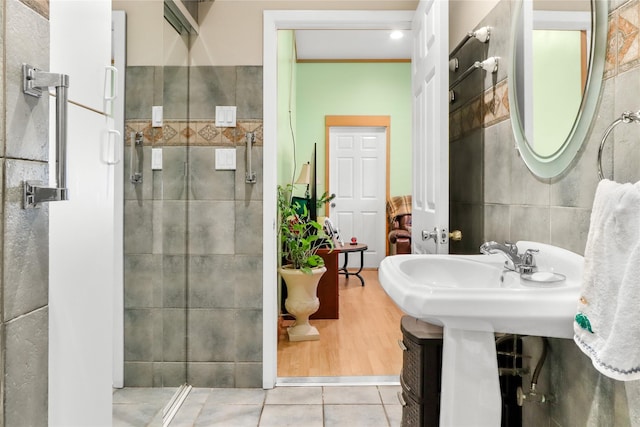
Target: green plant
{"x":300,"y":237}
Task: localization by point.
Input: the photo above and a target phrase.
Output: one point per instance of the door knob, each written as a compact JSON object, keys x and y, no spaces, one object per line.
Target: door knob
{"x":333,"y":205}
{"x":455,"y":235}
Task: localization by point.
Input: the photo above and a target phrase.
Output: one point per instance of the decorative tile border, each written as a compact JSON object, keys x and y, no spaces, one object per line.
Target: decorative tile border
{"x":496,"y":104}
{"x":195,"y":132}
{"x":486,"y":109}
{"x":623,"y":39}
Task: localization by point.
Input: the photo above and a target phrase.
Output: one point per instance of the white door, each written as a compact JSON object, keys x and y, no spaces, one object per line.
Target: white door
{"x":358,"y":177}
{"x":429,"y":75}
{"x":81,"y":229}
{"x":84,"y":48}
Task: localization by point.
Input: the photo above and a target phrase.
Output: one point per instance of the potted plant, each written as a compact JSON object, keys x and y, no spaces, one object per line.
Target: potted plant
{"x":300,"y":239}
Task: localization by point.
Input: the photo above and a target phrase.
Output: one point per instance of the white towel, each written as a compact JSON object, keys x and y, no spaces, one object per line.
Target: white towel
{"x":610,"y":298}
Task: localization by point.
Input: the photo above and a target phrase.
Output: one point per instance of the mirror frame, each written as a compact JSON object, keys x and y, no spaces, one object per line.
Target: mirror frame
{"x":555,"y":164}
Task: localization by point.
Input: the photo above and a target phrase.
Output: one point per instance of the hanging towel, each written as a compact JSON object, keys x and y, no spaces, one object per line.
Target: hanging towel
{"x":607,"y":325}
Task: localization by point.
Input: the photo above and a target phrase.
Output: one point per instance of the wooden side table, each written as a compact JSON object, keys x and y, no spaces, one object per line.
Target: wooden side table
{"x":346,"y":249}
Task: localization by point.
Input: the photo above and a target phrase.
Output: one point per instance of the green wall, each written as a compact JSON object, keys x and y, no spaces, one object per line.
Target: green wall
{"x":286,"y":104}
{"x":355,"y":89}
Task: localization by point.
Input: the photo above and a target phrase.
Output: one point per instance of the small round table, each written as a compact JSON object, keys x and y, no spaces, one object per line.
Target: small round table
{"x":346,"y":249}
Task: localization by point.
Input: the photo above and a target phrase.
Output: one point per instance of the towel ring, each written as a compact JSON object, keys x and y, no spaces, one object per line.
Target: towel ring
{"x":626,"y":117}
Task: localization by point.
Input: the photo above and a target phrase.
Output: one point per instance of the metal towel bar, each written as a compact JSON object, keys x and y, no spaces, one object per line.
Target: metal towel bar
{"x":33,"y":81}
{"x":482,"y":34}
{"x":489,"y":64}
{"x":626,"y":117}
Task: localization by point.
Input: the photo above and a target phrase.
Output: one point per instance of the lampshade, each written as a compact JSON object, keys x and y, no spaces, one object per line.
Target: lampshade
{"x":305,"y":175}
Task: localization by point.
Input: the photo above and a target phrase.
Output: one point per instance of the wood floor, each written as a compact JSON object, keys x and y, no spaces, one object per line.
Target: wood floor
{"x":364,"y":341}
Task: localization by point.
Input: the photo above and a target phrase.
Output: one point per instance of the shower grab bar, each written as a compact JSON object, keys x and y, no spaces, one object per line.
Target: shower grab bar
{"x":250,"y":176}
{"x":489,"y":64}
{"x":135,"y":157}
{"x":33,"y":81}
{"x":626,"y":117}
{"x":483,"y":35}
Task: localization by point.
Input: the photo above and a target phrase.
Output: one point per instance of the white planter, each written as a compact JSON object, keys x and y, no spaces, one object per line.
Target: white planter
{"x":302,"y":301}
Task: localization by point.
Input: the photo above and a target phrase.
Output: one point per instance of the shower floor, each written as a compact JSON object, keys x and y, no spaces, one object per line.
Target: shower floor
{"x":322,"y":406}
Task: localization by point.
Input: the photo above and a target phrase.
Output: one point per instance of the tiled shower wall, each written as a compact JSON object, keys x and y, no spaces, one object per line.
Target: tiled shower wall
{"x":515,"y":205}
{"x":24,"y":133}
{"x":193,"y":234}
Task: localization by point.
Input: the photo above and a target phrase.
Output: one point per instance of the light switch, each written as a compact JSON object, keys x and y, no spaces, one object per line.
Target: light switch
{"x":225,"y":159}
{"x":156,"y":116}
{"x":156,"y":159}
{"x":225,"y":116}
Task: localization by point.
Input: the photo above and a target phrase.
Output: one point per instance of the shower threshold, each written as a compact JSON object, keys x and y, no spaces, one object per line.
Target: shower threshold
{"x":365,"y":380}
{"x":172,"y":407}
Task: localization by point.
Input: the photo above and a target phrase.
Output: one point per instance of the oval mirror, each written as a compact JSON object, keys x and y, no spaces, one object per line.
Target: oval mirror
{"x":555,"y":76}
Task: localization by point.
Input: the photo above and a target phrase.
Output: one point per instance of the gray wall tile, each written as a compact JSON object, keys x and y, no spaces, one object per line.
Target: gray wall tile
{"x":248,"y":375}
{"x":218,"y":375}
{"x":497,"y":226}
{"x":143,"y":281}
{"x":26,"y":248}
{"x":212,"y":227}
{"x":248,"y":228}
{"x":26,"y":367}
{"x":211,"y":335}
{"x":210,"y":87}
{"x":174,"y":344}
{"x":570,"y":228}
{"x":207,"y":183}
{"x":212,"y":281}
{"x":248,"y":281}
{"x":249,"y":92}
{"x":173,"y":179}
{"x":174,"y":281}
{"x":143,"y":333}
{"x":138,"y":227}
{"x":138,"y":374}
{"x":143,"y":90}
{"x":498,"y":154}
{"x":248,"y":335}
{"x":27,"y":121}
{"x":174,"y":227}
{"x":529,"y":223}
{"x":176,"y":96}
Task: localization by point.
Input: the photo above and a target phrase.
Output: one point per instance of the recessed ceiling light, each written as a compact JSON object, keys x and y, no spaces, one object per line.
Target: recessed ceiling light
{"x":397,"y":34}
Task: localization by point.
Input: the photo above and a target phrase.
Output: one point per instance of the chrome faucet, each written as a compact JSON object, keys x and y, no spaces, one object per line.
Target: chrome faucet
{"x":523,"y":264}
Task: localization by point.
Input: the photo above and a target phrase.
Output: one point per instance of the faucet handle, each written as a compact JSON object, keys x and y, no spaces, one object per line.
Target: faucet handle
{"x":513,"y":248}
{"x":528,"y":261}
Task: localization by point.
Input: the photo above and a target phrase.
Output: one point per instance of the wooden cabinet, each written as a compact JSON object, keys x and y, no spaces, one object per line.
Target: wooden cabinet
{"x":328,"y":287}
{"x":421,"y":372}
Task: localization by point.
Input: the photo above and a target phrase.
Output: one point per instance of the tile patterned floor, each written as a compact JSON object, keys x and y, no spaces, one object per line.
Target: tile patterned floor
{"x":328,"y":406}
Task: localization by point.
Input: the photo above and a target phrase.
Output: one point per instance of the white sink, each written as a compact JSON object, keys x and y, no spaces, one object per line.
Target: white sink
{"x":473,"y":297}
{"x":474,"y":292}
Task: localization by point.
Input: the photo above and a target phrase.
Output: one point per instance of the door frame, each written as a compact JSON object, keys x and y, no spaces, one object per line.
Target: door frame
{"x":358,"y":121}
{"x":275,"y":20}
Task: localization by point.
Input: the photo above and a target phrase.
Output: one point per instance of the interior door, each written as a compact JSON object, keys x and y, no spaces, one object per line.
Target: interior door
{"x":429,"y":76}
{"x":357,"y":176}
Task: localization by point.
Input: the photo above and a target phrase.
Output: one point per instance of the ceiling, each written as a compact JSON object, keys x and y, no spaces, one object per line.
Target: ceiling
{"x":357,"y":45}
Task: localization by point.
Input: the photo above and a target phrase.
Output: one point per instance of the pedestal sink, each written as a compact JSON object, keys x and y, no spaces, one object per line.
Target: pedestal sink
{"x":472,"y":297}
